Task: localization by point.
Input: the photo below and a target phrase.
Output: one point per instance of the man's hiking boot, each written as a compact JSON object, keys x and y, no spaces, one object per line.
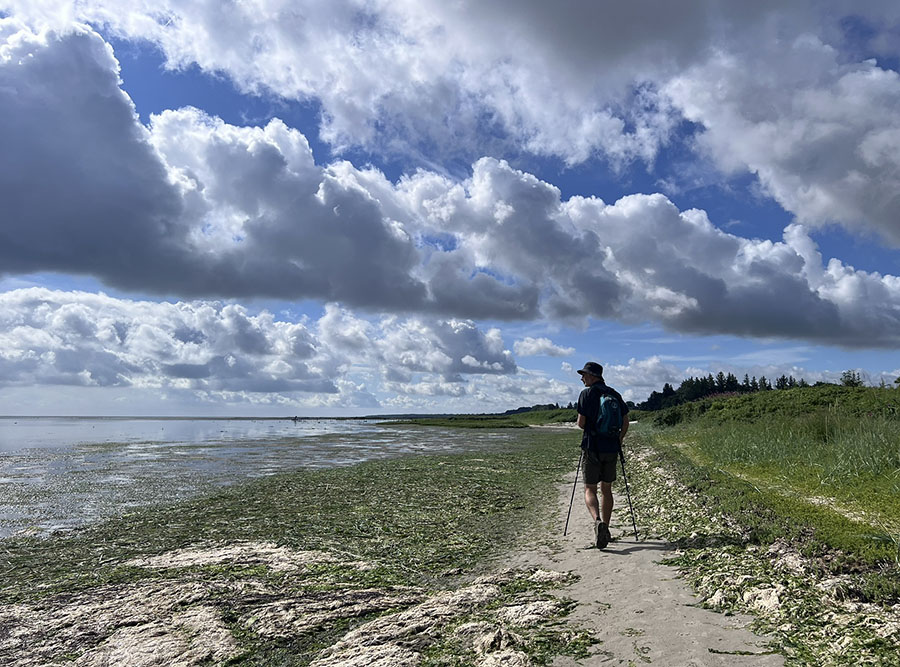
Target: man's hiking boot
{"x":607,"y":538}
{"x":601,"y":534}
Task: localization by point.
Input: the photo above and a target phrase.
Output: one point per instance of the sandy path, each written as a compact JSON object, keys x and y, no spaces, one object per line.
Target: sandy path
{"x":642,"y":613}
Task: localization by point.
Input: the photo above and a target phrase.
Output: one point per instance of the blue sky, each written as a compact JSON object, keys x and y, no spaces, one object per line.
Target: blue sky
{"x":353,"y":208}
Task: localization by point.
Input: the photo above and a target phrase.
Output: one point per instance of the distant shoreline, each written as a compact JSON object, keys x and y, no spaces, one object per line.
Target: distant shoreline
{"x":540,"y":412}
{"x":245,"y":418}
{"x":188,"y":418}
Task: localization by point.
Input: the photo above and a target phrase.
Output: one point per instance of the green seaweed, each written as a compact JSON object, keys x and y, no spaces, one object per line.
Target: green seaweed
{"x":427,"y":522}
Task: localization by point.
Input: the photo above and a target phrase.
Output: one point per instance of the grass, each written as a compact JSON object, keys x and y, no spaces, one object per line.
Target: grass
{"x":837,"y":445}
{"x":732,"y":534}
{"x":862,"y":402}
{"x":769,"y":509}
{"x":462,"y":421}
{"x":820,"y":466}
{"x":519,"y":420}
{"x":537,"y":417}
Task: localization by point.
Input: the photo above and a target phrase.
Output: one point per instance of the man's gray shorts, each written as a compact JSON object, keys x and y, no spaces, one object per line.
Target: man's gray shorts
{"x":599,"y":467}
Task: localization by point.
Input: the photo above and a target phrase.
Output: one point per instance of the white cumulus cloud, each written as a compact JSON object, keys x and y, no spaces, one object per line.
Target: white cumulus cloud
{"x":198,"y":208}
{"x":572,"y":79}
{"x":215,"y":350}
{"x":822,"y":134}
{"x":58,"y":338}
{"x":532,"y":347}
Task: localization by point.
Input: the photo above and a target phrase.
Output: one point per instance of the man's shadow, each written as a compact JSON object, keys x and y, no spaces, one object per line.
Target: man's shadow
{"x":713,"y":540}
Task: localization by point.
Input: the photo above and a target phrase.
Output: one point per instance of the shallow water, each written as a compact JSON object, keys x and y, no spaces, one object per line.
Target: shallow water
{"x":60,"y":473}
{"x":18,"y":433}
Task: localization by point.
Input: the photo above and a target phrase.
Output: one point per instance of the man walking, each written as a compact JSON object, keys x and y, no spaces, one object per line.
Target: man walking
{"x":601,"y":450}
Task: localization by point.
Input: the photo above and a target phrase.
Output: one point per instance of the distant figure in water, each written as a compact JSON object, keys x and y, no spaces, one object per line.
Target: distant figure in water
{"x":601,"y":444}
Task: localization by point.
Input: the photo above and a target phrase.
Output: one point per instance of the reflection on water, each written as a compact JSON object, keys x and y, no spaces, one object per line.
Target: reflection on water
{"x":42,"y":432}
{"x":56,"y":474}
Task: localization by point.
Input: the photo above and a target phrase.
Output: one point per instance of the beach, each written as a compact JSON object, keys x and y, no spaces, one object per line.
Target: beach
{"x":427,"y":559}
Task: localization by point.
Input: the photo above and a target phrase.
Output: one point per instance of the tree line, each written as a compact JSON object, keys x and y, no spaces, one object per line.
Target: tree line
{"x":694,"y":389}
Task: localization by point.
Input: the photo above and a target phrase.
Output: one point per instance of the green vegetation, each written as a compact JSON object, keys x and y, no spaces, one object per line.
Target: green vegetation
{"x":817,"y":465}
{"x":636,"y":414}
{"x":423,"y":523}
{"x":462,"y":421}
{"x":558,"y":416}
{"x":725,"y":385}
{"x":694,"y":389}
{"x":785,"y":504}
{"x":518,"y":420}
{"x":796,"y":403}
{"x":819,"y":582}
{"x":547,"y":417}
{"x":416,"y":516}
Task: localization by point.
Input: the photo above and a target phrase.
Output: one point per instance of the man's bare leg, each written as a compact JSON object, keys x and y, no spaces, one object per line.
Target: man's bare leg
{"x":600,"y":509}
{"x":592,"y":501}
{"x":606,"y":501}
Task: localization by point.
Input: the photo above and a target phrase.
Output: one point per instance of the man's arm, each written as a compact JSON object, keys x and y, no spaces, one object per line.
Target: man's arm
{"x":582,"y":418}
{"x":625,"y":412}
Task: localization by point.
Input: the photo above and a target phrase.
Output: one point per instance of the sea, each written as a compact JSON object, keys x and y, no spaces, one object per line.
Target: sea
{"x":61,"y":473}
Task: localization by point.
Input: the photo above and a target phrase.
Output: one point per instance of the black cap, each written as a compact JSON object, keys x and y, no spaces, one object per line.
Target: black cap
{"x":593,"y":368}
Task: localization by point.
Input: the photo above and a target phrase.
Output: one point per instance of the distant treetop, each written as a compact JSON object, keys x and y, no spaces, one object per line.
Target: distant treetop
{"x":693,"y":389}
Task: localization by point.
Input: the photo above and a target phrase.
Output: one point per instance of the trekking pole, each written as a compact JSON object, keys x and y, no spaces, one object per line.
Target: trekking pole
{"x":628,"y":493}
{"x":572,"y":499}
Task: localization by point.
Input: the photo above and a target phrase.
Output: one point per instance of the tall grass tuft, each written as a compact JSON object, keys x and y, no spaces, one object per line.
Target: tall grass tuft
{"x":838,"y":445}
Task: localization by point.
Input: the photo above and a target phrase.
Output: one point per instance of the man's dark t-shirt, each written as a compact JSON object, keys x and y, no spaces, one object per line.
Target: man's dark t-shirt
{"x":589,"y":406}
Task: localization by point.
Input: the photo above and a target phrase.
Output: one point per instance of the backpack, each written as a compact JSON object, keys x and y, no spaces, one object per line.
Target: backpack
{"x":609,"y":417}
